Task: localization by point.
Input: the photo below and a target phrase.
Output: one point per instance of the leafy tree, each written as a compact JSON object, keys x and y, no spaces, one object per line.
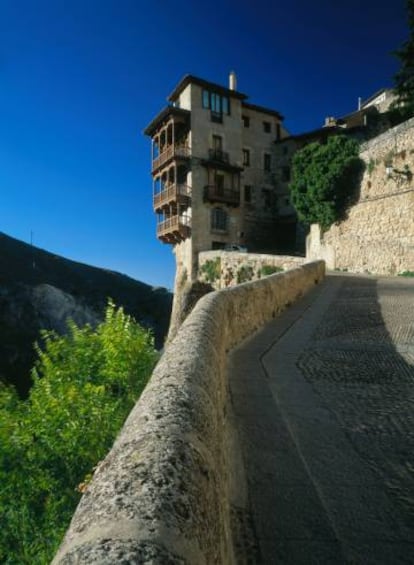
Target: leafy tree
{"x":85,"y":384}
{"x":324,"y":179}
{"x":404,"y":79}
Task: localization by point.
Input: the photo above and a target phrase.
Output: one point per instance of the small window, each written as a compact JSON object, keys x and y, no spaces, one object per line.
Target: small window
{"x":286,"y":174}
{"x":246,"y":157}
{"x":285,"y":150}
{"x":267,"y":128}
{"x":287,"y":202}
{"x":206,"y":99}
{"x":217,"y":143}
{"x":266,"y":162}
{"x":218,"y":245}
{"x":215,"y":103}
{"x":247,"y":193}
{"x":246,"y":121}
{"x":218,"y":219}
{"x":278,"y":131}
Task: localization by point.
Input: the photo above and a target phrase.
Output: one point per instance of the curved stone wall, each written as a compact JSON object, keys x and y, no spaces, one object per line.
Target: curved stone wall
{"x":161,"y":496}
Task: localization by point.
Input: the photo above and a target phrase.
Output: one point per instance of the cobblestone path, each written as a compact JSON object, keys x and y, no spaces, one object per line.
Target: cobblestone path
{"x":324,"y":406}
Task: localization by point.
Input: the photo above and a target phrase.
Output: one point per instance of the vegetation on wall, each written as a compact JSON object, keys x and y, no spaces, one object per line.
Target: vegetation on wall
{"x":211,"y":269}
{"x":325,"y":179}
{"x":245,"y":273}
{"x":85,"y":384}
{"x":270,"y":270}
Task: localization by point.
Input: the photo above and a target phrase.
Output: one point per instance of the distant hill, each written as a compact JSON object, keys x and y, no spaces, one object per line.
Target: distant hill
{"x":41,"y":290}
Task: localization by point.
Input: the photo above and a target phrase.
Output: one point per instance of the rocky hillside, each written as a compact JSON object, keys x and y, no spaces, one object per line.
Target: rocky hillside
{"x":42,"y":290}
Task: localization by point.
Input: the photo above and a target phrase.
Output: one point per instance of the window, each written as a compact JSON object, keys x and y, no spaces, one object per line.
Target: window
{"x":218,"y":219}
{"x":218,"y":245}
{"x":217,"y":103}
{"x":246,"y":121}
{"x":247,"y":193}
{"x":286,"y":174}
{"x":278,"y":131}
{"x":217,"y":143}
{"x":267,"y":127}
{"x":206,"y":99}
{"x":285,"y":150}
{"x":246,"y":157}
{"x":266,"y":162}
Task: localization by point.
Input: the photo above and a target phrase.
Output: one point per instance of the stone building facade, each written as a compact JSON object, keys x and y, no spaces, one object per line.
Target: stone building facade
{"x":214,"y":172}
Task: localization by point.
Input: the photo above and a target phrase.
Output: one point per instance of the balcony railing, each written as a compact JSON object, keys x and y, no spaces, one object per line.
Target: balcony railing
{"x":218,"y":155}
{"x":179,"y":193}
{"x":172,"y":151}
{"x":214,"y":193}
{"x":174,"y":229}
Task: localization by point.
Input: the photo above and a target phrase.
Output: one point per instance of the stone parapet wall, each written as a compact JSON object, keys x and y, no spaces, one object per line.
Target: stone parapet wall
{"x":162,"y":495}
{"x":235,"y":265}
{"x":378,"y":234}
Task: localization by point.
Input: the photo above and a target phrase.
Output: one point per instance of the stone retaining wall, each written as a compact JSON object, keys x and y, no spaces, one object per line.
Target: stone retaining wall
{"x":163,"y":493}
{"x":232,"y":265}
{"x":378,"y":234}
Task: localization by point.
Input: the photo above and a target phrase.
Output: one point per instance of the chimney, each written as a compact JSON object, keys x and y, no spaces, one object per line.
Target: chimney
{"x":359,"y":102}
{"x":232,"y":81}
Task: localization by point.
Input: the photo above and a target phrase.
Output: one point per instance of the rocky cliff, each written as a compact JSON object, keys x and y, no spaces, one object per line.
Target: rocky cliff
{"x":42,"y":290}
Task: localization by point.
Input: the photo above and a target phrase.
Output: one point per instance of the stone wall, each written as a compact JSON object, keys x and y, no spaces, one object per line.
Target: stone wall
{"x":378,"y":234}
{"x":163,"y":493}
{"x":232,"y":266}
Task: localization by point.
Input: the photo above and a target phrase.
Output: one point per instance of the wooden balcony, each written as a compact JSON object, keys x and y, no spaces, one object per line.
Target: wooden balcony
{"x":171,"y":152}
{"x":174,"y":193}
{"x":214,"y":193}
{"x":174,"y":229}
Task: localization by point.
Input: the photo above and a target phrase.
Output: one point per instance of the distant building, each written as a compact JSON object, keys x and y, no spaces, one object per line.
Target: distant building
{"x":215,"y":180}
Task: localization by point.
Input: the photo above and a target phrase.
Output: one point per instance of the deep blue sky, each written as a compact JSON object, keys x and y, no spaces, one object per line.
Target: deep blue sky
{"x":80,"y":79}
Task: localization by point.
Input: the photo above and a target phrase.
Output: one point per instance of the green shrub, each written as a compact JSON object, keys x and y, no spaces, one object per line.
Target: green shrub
{"x":406,"y":274}
{"x":325,"y":179}
{"x":244,"y":273}
{"x":270,"y":270}
{"x":85,"y":384}
{"x":211,"y":269}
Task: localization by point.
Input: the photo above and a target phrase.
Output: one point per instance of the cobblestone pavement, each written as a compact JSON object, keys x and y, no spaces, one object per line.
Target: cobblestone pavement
{"x":324,"y":405}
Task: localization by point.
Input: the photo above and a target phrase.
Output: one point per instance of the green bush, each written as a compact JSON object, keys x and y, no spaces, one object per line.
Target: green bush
{"x":325,"y":180}
{"x":244,"y":273}
{"x":211,"y":269}
{"x":406,"y":274}
{"x":270,"y":270}
{"x":85,"y":384}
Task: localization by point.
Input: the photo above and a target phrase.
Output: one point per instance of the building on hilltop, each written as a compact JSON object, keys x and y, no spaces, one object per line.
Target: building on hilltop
{"x":214,"y":173}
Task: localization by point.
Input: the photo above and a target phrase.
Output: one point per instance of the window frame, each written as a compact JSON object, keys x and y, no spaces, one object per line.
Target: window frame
{"x":267,"y":127}
{"x":219,"y":219}
{"x":246,"y":157}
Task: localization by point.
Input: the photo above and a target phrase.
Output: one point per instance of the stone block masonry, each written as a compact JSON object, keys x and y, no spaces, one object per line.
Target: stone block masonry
{"x":163,"y":494}
{"x":378,"y":234}
{"x":231,"y":265}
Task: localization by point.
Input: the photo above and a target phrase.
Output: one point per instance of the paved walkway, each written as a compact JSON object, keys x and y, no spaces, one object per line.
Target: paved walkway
{"x":324,"y":405}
